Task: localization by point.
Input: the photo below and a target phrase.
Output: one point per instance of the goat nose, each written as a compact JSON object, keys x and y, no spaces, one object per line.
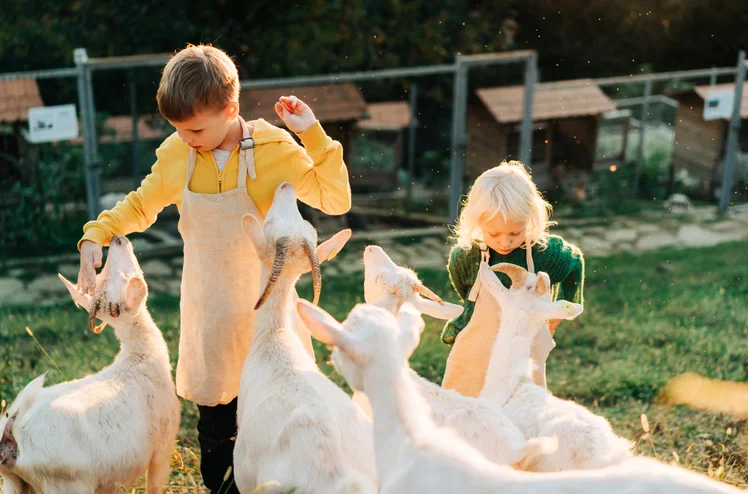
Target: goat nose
{"x":285,"y":186}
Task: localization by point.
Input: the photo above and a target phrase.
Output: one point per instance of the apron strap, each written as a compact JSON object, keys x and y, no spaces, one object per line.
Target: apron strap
{"x":484,"y":256}
{"x":190,"y":168}
{"x":528,"y":253}
{"x":246,"y":156}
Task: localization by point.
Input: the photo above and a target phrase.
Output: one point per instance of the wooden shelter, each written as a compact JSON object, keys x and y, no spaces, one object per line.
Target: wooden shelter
{"x":565,"y":128}
{"x":384,"y":128}
{"x":700,"y":144}
{"x":17,"y":96}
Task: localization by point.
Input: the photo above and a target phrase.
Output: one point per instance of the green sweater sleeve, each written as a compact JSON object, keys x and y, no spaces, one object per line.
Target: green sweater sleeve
{"x":566,"y":269}
{"x":459,"y":272}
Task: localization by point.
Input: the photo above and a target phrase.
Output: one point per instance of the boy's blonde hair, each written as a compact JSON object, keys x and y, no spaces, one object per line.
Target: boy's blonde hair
{"x":199,"y":77}
{"x":507,"y":190}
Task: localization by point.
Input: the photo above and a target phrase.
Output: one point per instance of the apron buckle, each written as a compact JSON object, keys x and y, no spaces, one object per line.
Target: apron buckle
{"x":244,"y":145}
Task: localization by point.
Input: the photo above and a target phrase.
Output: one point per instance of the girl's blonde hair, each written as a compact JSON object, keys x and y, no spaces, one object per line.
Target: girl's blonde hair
{"x":507,"y":190}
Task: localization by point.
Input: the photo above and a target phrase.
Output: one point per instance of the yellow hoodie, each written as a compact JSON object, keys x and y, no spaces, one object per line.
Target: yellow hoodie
{"x":316,"y":170}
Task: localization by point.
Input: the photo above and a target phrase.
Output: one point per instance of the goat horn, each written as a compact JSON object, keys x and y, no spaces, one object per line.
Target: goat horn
{"x":281,"y":249}
{"x":517,"y":274}
{"x":311,"y":252}
{"x":421,"y":288}
{"x":92,"y":318}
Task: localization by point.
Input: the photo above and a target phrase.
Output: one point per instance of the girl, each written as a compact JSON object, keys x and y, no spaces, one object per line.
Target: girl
{"x":505,"y":219}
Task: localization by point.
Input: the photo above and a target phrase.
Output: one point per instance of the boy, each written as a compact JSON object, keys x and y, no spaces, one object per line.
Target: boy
{"x":217,"y":168}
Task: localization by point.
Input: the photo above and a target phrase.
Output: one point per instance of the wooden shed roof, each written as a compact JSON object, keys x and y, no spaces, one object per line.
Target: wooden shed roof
{"x":16,"y":97}
{"x":388,"y":115}
{"x":330,"y":102}
{"x":505,"y":103}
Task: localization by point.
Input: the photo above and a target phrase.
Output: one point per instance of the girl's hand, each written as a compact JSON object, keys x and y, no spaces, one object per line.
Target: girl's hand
{"x":553,"y":324}
{"x":297,"y":116}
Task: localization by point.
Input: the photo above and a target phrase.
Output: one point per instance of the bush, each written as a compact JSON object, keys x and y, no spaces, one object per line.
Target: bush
{"x":43,"y":217}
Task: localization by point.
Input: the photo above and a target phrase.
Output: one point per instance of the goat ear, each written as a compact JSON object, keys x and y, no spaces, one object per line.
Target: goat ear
{"x":330,"y":247}
{"x":324,"y":327}
{"x":562,"y":309}
{"x":429,"y":307}
{"x":411,"y":326}
{"x":490,"y":280}
{"x":82,"y":299}
{"x":544,"y":283}
{"x":135,"y":292}
{"x":253,"y":229}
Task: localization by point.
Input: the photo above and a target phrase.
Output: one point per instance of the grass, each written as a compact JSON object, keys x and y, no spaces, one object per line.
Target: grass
{"x":647,"y":318}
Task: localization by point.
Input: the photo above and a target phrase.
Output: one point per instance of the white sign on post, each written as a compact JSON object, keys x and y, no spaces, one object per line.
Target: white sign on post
{"x":52,"y":123}
{"x":718,"y":104}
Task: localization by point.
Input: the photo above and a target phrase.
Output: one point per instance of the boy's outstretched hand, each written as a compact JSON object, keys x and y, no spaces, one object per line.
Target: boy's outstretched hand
{"x":90,"y":260}
{"x":296,"y":114}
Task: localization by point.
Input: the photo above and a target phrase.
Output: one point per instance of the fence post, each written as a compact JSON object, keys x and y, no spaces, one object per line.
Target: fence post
{"x":132,"y":94}
{"x":525,"y":139}
{"x":459,"y":116}
{"x":642,"y":127}
{"x":412,"y":139}
{"x":731,"y":148}
{"x":88,"y":123}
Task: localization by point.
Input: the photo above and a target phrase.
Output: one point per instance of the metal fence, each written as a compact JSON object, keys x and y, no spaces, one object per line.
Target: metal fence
{"x":459,"y":70}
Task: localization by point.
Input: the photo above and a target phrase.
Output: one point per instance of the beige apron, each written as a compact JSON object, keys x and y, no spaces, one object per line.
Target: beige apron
{"x":220,"y":286}
{"x":468,"y":360}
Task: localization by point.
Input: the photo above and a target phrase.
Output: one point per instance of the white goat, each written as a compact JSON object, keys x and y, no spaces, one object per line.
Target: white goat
{"x":585,"y":440}
{"x":89,"y":435}
{"x":296,"y":427}
{"x":414,"y":455}
{"x":479,"y":422}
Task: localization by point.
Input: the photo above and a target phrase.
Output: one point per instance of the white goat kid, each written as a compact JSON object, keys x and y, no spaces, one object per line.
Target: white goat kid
{"x":89,"y":435}
{"x":479,"y":422}
{"x":389,"y":286}
{"x":296,"y":427}
{"x":414,"y":455}
{"x":585,"y":440}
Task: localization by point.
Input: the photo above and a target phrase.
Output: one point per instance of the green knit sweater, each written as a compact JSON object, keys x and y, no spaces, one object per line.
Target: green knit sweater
{"x":563,"y":262}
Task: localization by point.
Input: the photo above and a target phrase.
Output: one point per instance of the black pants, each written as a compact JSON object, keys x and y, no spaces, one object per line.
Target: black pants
{"x":216,"y":432}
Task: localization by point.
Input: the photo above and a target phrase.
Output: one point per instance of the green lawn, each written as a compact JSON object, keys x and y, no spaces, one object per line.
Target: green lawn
{"x":647,"y":318}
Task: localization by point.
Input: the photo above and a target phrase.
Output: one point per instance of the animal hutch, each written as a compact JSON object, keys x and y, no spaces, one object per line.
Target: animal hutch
{"x":19,"y":161}
{"x":17,"y":96}
{"x":379,"y":154}
{"x":700,"y":144}
{"x":565,"y":128}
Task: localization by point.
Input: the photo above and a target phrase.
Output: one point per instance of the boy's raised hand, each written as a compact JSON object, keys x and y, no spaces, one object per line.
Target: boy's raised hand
{"x":91,"y":254}
{"x":296,"y":114}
